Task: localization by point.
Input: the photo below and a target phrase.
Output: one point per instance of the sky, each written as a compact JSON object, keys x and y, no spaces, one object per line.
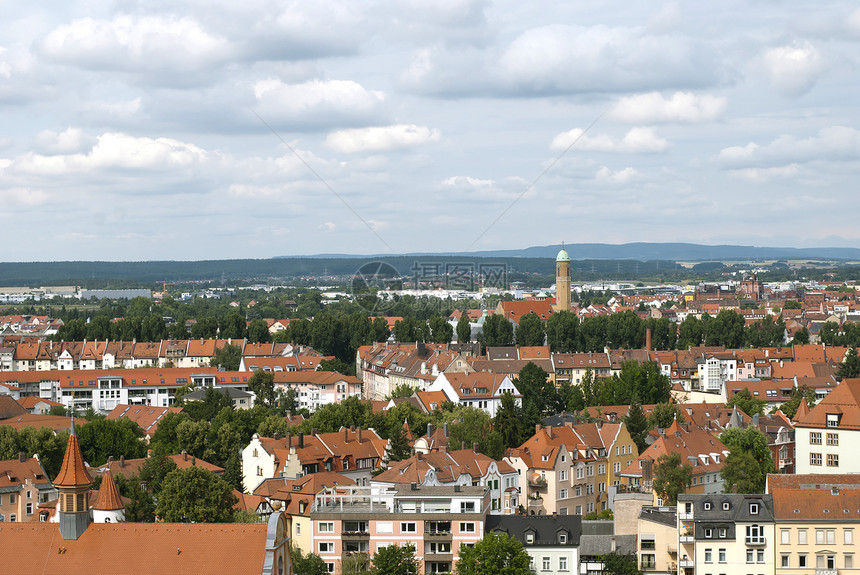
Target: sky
{"x":156,"y":130}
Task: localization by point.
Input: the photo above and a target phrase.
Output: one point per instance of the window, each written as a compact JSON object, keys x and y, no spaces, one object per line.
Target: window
{"x":832,"y":420}
{"x":726,"y":506}
{"x":601,"y":469}
{"x":467,"y":507}
{"x":546,"y":564}
{"x":407,"y":527}
{"x":801,"y":560}
{"x":616,"y":467}
{"x":707,"y":505}
{"x":801,"y":536}
{"x":785,"y":536}
{"x":259,"y":471}
{"x":648,"y":543}
{"x":814,"y":438}
{"x":815,"y":459}
{"x":562,"y":475}
{"x":465,"y":527}
{"x":326,"y":547}
{"x":562,"y":494}
{"x":848,"y":537}
{"x":833,"y":439}
{"x":709,"y":532}
{"x":750,"y":554}
{"x":849,"y":561}
{"x":722,"y":532}
{"x":330,"y":567}
{"x":722,"y":555}
{"x":326,"y":527}
{"x":708,"y":557}
{"x":832,"y":460}
{"x":753,"y":508}
{"x":13,"y":518}
{"x":648,"y":561}
{"x":29,"y":509}
{"x":562,"y":538}
{"x":578,"y":490}
{"x":759,"y":556}
{"x":784,"y":561}
{"x":562,"y":563}
{"x":12,"y":498}
{"x":298,"y":528}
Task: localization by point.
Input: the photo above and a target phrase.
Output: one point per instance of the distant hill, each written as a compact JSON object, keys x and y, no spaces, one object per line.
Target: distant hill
{"x":648,"y":251}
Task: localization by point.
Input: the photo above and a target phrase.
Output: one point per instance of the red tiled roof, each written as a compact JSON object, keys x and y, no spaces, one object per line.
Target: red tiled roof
{"x":108,"y":498}
{"x":73,"y":473}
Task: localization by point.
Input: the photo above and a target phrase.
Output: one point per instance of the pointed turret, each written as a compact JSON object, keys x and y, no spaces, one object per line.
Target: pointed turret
{"x":108,"y":507}
{"x":802,"y":410}
{"x":73,"y":483}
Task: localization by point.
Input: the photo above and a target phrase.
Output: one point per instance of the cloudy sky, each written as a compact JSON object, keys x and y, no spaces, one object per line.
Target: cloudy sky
{"x":217,"y":129}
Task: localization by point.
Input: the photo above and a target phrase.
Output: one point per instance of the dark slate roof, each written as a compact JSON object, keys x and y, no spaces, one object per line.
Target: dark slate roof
{"x":230,"y":392}
{"x":738,"y":509}
{"x":545,"y":527}
{"x":597,"y":545}
{"x":662,"y":515}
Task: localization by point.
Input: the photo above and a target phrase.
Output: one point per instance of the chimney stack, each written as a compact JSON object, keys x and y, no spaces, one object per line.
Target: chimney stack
{"x":122,"y":460}
{"x":359,"y":435}
{"x":475,"y":447}
{"x":184,"y":455}
{"x":22,"y":457}
{"x":445,"y":429}
{"x":648,"y":340}
{"x":345,"y":434}
{"x":301,"y":440}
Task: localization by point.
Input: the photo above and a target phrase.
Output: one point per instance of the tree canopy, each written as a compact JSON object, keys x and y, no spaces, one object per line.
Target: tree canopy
{"x":195,"y":495}
{"x":671,"y":478}
{"x":496,"y":553}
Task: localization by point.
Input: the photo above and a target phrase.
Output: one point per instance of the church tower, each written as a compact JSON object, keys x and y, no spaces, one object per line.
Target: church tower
{"x":73,"y":483}
{"x":562,"y":281}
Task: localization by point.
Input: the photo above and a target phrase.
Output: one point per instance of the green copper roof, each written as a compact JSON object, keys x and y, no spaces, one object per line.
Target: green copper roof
{"x":562,"y":256}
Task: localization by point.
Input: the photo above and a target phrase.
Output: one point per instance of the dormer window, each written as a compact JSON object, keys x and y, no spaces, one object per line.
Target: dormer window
{"x":562,"y":538}
{"x":530,"y":537}
{"x":726,"y":506}
{"x":753,"y":508}
{"x":832,"y":420}
{"x":707,"y":506}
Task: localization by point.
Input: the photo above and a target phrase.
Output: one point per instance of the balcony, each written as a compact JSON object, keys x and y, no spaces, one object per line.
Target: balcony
{"x":685,"y":516}
{"x":826,"y":572}
{"x":687,"y":563}
{"x":537,"y":481}
{"x":687,"y":538}
{"x":756,"y":541}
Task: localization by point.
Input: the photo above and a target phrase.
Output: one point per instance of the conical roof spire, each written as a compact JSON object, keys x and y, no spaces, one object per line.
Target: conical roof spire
{"x":73,"y":473}
{"x":108,"y":498}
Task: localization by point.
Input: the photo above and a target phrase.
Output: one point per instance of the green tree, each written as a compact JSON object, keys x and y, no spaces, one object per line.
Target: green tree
{"x":166,"y":435}
{"x":464,"y":330}
{"x":262,"y":383}
{"x":141,"y":505}
{"x":496,"y":553}
{"x":690,"y":333}
{"x":751,"y":442}
{"x":232,"y":326}
{"x":194,"y":495}
{"x":440,"y":330}
{"x":394,"y":560}
{"x":745,"y":401}
{"x":271,"y":425}
{"x":637,"y":425}
{"x":792,"y":304}
{"x":214,"y":400}
{"x":258,"y":331}
{"x":156,"y":468}
{"x":191,"y":436}
{"x":203,"y":328}
{"x":497,"y":331}
{"x":335,"y":364}
{"x":379,"y":329}
{"x":227,"y":357}
{"x":741,"y":471}
{"x":408,"y":329}
{"x":508,"y":421}
{"x":850,"y":366}
{"x":472,"y":426}
{"x":664,"y":414}
{"x":310,"y":564}
{"x":620,"y":564}
{"x":534,"y":385}
{"x":400,"y":447}
{"x":102,"y":438}
{"x":801,"y":337}
{"x":402,"y":390}
{"x":530,"y":330}
{"x":561,"y":332}
{"x":671,"y":478}
{"x":789,"y":408}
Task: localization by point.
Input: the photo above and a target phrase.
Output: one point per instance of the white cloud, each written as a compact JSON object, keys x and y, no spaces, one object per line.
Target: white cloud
{"x":681,"y":107}
{"x":325,"y":102}
{"x":793,"y":70}
{"x":761,"y":175}
{"x":114,"y":151}
{"x":604,"y":174}
{"x":166,"y":47}
{"x":636,"y":140}
{"x":834,"y":143}
{"x":327,"y":227}
{"x":381,"y":138}
{"x":21,"y":196}
{"x":69,"y":141}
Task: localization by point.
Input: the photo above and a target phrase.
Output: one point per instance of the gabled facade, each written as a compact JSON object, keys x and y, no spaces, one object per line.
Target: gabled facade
{"x":827,"y":436}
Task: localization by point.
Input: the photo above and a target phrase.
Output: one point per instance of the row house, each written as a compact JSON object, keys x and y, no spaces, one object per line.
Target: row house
{"x":288,"y":363}
{"x":314,"y":389}
{"x":438,"y":520}
{"x":827,"y":435}
{"x":354,"y":453}
{"x":458,"y":467}
{"x":103,"y":390}
{"x":571,"y":367}
{"x":24,"y":485}
{"x":700,"y":449}
{"x":383,"y":366}
{"x":295,"y":497}
{"x":481,"y":390}
{"x":726,"y":533}
{"x":569,"y":469}
{"x":552,"y":541}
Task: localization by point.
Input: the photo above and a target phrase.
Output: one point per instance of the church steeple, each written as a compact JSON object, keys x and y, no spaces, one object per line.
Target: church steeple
{"x":73,"y":483}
